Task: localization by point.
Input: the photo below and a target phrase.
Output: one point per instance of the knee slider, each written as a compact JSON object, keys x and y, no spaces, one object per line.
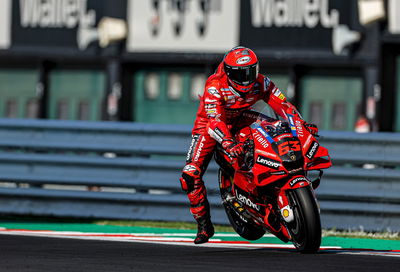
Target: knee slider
{"x":187,"y":183}
{"x":190,"y":174}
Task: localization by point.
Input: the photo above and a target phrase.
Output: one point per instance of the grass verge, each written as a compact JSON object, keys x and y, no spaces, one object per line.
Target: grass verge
{"x":387,"y":235}
{"x":161,"y":224}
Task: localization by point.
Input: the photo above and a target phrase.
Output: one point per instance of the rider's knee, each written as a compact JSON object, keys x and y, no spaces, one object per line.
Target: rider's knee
{"x":190,"y":176}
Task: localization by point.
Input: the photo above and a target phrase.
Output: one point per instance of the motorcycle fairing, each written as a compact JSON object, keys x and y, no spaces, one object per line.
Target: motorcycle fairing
{"x":279,"y":152}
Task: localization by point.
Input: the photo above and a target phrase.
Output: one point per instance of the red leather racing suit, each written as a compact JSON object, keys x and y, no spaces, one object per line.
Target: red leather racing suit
{"x":219,"y":106}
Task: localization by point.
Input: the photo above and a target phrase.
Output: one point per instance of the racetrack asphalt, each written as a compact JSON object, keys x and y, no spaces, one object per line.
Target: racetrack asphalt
{"x":27,"y":253}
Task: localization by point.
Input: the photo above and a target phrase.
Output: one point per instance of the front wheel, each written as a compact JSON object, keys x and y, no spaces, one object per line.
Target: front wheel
{"x":305,"y":229}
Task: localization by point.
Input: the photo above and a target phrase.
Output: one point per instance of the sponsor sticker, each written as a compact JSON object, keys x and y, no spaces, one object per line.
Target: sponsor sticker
{"x":210,"y":106}
{"x":265,"y":153}
{"x":267,"y":81}
{"x":243,"y":60}
{"x":234,"y":92}
{"x":280,"y":137}
{"x":292,"y":126}
{"x":276,"y":92}
{"x":312,"y":150}
{"x":189,"y":155}
{"x":211,"y":111}
{"x":215,"y":135}
{"x":261,"y":140}
{"x":213,"y":91}
{"x":299,"y":128}
{"x":219,"y":132}
{"x":199,"y":149}
{"x":259,"y":129}
{"x":265,"y":134}
{"x":207,"y":100}
{"x":296,"y":180}
{"x":268,"y":162}
{"x":247,"y":201}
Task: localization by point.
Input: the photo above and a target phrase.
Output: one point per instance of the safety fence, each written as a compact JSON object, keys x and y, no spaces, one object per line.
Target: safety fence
{"x":130,"y":171}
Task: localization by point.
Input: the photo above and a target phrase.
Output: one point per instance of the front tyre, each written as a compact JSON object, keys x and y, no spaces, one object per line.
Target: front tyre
{"x":305,"y":229}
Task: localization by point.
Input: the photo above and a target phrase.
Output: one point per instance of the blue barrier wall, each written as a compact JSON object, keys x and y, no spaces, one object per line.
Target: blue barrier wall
{"x":131,"y":171}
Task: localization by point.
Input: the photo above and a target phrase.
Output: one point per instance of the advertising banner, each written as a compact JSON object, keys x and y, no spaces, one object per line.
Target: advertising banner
{"x":5,"y":24}
{"x":210,"y":26}
{"x":293,"y":24}
{"x":59,"y":23}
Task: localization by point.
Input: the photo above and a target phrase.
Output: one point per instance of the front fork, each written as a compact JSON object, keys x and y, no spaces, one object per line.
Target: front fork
{"x":284,"y":206}
{"x":293,"y":183}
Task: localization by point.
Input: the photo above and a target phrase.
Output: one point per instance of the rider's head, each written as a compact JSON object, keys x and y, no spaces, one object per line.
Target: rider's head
{"x":241,"y":67}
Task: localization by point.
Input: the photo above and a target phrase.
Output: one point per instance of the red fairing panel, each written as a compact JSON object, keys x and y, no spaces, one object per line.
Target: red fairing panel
{"x":321,"y":160}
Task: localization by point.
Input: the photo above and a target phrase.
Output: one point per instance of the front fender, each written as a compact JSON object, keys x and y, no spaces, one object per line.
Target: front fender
{"x":293,"y":183}
{"x":296,"y":182}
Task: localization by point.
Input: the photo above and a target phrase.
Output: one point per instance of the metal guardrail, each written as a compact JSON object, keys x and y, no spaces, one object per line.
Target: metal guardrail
{"x":131,"y":171}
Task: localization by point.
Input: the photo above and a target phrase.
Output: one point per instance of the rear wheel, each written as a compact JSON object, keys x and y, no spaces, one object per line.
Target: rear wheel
{"x":305,"y":229}
{"x":245,"y":228}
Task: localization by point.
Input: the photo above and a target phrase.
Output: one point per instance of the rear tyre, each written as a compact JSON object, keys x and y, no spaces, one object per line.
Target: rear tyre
{"x":305,"y":229}
{"x":246,"y":229}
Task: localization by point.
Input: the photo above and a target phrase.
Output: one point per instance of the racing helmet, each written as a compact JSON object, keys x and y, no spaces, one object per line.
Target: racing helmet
{"x":241,"y":67}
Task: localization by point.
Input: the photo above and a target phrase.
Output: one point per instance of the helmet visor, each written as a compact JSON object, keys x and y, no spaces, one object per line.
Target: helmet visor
{"x":242,"y":75}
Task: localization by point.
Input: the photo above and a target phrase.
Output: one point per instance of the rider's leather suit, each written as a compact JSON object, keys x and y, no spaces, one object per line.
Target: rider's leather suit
{"x":219,"y":106}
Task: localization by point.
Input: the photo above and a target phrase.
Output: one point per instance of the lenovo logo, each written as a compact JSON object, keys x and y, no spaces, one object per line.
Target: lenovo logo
{"x":313,"y":149}
{"x":268,"y":162}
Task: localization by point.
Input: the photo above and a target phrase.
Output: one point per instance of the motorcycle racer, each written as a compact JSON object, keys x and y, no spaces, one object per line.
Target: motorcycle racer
{"x":233,"y":88}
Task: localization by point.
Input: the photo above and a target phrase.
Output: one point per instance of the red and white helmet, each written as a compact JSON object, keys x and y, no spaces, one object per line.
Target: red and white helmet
{"x":241,"y":67}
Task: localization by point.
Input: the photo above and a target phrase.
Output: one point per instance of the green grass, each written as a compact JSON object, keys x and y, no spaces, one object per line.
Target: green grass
{"x":223,"y":228}
{"x":387,"y":235}
{"x":161,"y":224}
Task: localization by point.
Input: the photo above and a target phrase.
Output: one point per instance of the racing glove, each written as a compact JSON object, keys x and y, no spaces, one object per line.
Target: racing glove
{"x":313,"y":129}
{"x":233,"y":148}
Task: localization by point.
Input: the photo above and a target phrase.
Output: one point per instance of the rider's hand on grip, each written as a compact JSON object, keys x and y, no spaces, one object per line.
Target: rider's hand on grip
{"x":232,"y":148}
{"x":313,"y":129}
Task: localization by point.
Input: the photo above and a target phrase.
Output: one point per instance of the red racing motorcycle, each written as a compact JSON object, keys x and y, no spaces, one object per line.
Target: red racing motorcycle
{"x":269,"y":188}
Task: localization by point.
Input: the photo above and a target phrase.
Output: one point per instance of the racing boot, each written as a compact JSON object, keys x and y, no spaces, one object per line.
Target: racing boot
{"x":205,"y":230}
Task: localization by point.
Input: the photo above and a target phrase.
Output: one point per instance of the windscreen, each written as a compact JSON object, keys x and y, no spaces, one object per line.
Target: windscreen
{"x":262,"y":110}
